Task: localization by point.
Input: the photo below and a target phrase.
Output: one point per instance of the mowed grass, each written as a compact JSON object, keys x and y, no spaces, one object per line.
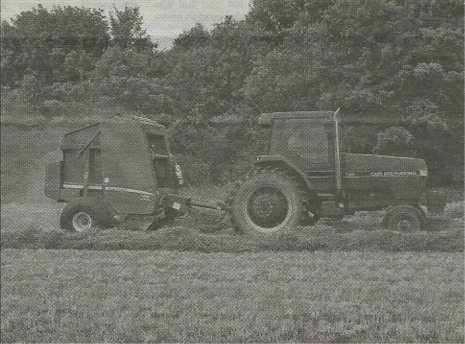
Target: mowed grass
{"x":166,"y":296}
{"x":36,"y":226}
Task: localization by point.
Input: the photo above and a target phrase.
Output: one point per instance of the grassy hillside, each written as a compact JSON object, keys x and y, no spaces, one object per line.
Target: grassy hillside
{"x":128,"y":296}
{"x":30,"y":140}
{"x":25,"y":150}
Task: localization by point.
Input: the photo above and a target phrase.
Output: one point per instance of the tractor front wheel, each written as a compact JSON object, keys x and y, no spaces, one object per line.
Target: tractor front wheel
{"x":404,"y":218}
{"x":269,"y":202}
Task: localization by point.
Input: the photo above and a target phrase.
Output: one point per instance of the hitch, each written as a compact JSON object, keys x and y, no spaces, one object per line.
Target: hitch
{"x":183,"y":204}
{"x":220,"y":205}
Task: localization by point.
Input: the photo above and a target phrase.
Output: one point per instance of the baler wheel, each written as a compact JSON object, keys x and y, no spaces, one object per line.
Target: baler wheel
{"x":83,"y":214}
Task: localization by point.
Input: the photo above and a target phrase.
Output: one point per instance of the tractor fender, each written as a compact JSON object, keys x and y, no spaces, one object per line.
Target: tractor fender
{"x":280,"y":161}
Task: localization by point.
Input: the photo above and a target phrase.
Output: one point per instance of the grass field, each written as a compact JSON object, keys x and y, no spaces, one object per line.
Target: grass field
{"x":349,"y":281}
{"x":33,"y":225}
{"x":162,"y":296}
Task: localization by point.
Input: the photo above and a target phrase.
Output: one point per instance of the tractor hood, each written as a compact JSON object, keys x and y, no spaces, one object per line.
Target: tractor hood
{"x":382,"y":165}
{"x":393,"y":177}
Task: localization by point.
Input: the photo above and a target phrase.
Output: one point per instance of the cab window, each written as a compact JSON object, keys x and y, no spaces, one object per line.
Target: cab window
{"x":308,"y":143}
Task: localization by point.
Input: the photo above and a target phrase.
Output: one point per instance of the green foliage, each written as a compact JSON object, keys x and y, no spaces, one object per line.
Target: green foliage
{"x":197,"y":36}
{"x":272,"y":19}
{"x":127,"y":29}
{"x":52,"y":107}
{"x":393,"y":141}
{"x":210,"y":69}
{"x":41,"y":39}
{"x":30,"y":89}
{"x":359,"y":139}
{"x":394,"y":63}
{"x":133,"y":77}
{"x":383,"y":61}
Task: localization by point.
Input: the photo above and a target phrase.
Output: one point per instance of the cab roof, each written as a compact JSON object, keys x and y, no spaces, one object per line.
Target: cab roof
{"x":267,"y":118}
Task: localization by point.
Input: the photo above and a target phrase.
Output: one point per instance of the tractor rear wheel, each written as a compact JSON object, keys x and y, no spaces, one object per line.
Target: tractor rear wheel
{"x":269,"y":202}
{"x":404,"y":218}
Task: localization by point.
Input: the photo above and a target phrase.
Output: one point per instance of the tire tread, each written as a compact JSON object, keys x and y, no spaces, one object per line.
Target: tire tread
{"x":301,"y":189}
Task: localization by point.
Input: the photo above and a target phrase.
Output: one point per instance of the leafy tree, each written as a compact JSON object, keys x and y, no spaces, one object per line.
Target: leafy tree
{"x":395,"y":62}
{"x":394,"y":141}
{"x":127,"y":29}
{"x":210,"y":69}
{"x":30,"y":88}
{"x":271,"y":20}
{"x":133,"y":79}
{"x":11,"y":64}
{"x":40,"y":39}
{"x":76,"y":66}
{"x":196,"y":37}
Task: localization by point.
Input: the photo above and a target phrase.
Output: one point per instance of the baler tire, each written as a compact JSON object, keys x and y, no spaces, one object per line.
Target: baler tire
{"x":96,"y":213}
{"x":268,"y":178}
{"x":404,"y":218}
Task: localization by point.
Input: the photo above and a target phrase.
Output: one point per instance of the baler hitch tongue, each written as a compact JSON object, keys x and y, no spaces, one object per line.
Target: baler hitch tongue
{"x":182,"y":203}
{"x":220,"y":205}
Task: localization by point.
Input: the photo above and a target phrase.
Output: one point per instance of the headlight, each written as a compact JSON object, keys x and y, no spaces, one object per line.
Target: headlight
{"x":423,"y":173}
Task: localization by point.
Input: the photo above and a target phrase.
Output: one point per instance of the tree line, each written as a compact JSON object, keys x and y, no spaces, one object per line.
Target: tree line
{"x":395,"y":65}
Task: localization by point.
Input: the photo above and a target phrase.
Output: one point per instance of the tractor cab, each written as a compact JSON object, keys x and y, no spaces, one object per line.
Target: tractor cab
{"x":305,"y":138}
{"x":309,"y":143}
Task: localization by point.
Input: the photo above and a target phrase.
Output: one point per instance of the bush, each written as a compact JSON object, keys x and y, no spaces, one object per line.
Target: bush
{"x":66,"y":91}
{"x":10,"y":97}
{"x":56,"y":108}
{"x":394,"y":140}
{"x":195,"y":171}
{"x":52,"y":108}
{"x":30,"y":89}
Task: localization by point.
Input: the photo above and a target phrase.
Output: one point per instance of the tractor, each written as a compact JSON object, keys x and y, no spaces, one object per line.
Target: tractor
{"x":306,"y":176}
{"x":116,"y":171}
